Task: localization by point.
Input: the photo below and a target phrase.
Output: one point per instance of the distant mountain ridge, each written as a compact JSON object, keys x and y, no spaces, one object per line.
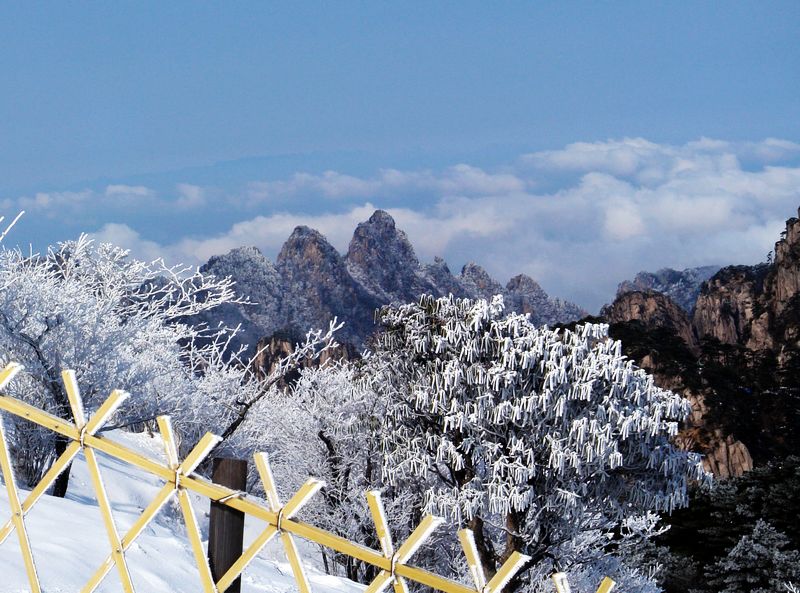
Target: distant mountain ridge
{"x":682,"y":286}
{"x":310,"y":283}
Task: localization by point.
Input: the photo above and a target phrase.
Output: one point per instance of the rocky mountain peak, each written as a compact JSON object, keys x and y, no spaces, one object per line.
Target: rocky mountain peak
{"x":522,"y":283}
{"x":319,"y":287}
{"x":258,"y":281}
{"x":439,"y":275}
{"x":381,"y":257}
{"x":311,"y":283}
{"x":238,"y":256}
{"x":478,"y":282}
{"x":306,"y":245}
{"x":380,"y":218}
{"x":524,"y":295}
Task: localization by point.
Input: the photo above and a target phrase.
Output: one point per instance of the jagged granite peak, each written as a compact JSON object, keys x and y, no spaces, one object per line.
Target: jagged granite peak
{"x":303,"y":237}
{"x":521,"y":294}
{"x":524,"y":295}
{"x":439,"y":275}
{"x":478,"y":283}
{"x":311,"y":283}
{"x":682,"y":286}
{"x":382,"y":259}
{"x":523,"y":283}
{"x":319,"y":287}
{"x":258,"y":281}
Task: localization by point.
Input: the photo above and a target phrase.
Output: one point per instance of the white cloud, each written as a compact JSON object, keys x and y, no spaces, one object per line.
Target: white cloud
{"x":457,"y":180}
{"x":623,"y":221}
{"x":625,"y":206}
{"x":127,"y":238}
{"x":329,"y":184}
{"x":190,"y":196}
{"x":53,"y":204}
{"x":128,"y":191}
{"x":618,"y":157}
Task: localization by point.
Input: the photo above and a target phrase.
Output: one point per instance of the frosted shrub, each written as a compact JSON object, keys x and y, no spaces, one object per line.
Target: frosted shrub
{"x":326,"y":425}
{"x":120,"y":323}
{"x":531,"y":436}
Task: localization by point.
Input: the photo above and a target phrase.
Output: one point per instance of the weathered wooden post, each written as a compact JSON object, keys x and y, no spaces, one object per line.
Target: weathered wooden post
{"x":226,"y":527}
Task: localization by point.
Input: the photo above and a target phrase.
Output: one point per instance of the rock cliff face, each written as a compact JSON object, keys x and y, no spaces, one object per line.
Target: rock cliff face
{"x":728,"y":306}
{"x":723,"y":454}
{"x":649,"y":326}
{"x":653,"y":310}
{"x":282,"y":343}
{"x":682,"y":286}
{"x":742,"y":368}
{"x":784,"y":280}
{"x":311,"y":283}
{"x":755,"y":306}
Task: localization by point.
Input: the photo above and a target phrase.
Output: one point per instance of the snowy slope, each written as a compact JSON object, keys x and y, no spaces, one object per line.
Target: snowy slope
{"x":69,"y":541}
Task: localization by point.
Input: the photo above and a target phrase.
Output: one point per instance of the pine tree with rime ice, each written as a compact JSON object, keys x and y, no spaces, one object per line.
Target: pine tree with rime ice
{"x":761,"y":562}
{"x":530,"y":436}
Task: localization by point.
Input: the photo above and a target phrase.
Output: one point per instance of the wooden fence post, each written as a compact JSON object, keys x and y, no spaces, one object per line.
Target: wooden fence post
{"x":226,"y":527}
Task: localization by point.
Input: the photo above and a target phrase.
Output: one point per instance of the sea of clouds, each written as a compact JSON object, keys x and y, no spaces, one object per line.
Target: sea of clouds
{"x":578,"y":219}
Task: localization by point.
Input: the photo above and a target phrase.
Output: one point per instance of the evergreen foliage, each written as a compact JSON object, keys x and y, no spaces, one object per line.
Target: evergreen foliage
{"x":705,"y":533}
{"x":760,"y":562}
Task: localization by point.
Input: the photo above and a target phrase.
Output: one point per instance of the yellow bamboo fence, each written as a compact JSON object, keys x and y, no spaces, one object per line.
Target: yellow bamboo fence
{"x":279,"y":518}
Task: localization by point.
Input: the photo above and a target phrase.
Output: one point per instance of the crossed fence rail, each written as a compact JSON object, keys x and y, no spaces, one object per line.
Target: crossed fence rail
{"x":391,"y":562}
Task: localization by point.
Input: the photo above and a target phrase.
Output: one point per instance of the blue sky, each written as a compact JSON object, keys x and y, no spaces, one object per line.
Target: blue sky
{"x":189,"y":126}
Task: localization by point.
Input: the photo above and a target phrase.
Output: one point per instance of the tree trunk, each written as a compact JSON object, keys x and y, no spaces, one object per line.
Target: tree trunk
{"x":62,"y":481}
{"x":487,"y":554}
{"x":514,"y":541}
{"x":486,"y":551}
{"x":61,"y":442}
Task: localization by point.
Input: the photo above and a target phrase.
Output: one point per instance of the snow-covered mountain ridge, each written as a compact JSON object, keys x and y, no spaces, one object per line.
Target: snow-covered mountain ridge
{"x":310,"y":283}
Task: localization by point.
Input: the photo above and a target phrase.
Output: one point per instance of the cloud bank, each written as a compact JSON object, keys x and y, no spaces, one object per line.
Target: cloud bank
{"x":579,"y":219}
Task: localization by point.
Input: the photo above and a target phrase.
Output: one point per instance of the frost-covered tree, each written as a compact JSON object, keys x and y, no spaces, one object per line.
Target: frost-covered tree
{"x":531,"y":436}
{"x":759,"y":563}
{"x":326,"y":424}
{"x":119,"y":323}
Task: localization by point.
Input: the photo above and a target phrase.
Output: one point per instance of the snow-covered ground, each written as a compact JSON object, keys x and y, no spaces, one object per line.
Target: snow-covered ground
{"x":69,"y":541}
